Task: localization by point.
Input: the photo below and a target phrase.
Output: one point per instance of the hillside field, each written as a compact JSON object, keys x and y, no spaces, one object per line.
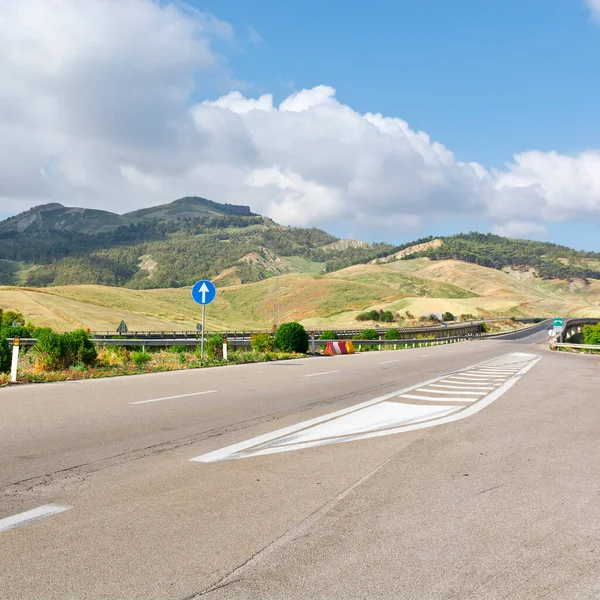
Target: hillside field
{"x":333,"y":300}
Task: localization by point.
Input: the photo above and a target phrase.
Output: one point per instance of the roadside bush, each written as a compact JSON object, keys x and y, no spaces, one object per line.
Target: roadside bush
{"x":447,"y":316}
{"x":291,"y":337}
{"x":48,"y":350}
{"x":113,"y":356}
{"x":328,"y":334}
{"x":213,"y":346}
{"x":262,"y":342}
{"x":8,"y":317}
{"x":591,"y":335}
{"x":141,"y":358}
{"x":5,"y":356}
{"x":392,"y":334}
{"x":78,"y":348}
{"x":177,"y":349}
{"x":368,"y":334}
{"x":54,"y":351}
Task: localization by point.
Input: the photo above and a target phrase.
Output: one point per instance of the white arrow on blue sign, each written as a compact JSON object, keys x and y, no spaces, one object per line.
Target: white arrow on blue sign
{"x":204,"y":292}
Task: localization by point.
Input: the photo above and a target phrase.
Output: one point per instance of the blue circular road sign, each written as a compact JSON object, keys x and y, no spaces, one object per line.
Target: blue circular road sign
{"x":204,"y":292}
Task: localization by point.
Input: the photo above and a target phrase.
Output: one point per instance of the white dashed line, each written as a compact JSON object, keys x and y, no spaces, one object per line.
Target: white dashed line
{"x":419,"y":397}
{"x":322,"y":373}
{"x":460,"y":387}
{"x":31,"y":515}
{"x":174,"y":397}
{"x":388,"y":362}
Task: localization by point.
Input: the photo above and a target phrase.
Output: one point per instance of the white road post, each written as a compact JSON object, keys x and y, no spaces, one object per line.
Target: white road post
{"x":224,"y":347}
{"x":15,"y":359}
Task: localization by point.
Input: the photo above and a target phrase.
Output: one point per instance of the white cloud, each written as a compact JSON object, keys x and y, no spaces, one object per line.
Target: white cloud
{"x":594,"y":6}
{"x":521,"y":229}
{"x":96,"y":110}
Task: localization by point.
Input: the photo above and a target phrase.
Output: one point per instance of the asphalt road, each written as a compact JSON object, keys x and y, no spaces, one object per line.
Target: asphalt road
{"x":458,"y":471}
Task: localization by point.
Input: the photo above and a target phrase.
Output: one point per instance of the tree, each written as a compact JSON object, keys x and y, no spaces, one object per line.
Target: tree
{"x":291,"y":337}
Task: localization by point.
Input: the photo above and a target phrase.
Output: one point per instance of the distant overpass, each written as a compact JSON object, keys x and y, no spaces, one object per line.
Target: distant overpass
{"x":574,"y":326}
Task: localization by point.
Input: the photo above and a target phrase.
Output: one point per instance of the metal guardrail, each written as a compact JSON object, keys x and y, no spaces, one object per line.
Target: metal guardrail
{"x":574,"y":346}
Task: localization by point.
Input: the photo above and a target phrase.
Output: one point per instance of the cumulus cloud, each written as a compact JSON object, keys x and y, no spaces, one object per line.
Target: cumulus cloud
{"x":594,"y":6}
{"x":96,"y":110}
{"x":521,"y":229}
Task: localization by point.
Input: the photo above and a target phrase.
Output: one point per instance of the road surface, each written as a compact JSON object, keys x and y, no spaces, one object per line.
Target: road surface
{"x":458,"y":471}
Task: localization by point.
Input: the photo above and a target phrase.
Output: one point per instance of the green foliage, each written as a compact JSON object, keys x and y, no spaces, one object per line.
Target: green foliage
{"x":8,"y":317}
{"x":382,"y":316}
{"x":368,"y":334}
{"x":141,"y":358}
{"x":291,"y":337}
{"x":447,"y":316}
{"x":497,"y":252}
{"x":54,"y":351}
{"x":328,"y":334}
{"x":5,"y":356}
{"x":78,"y":348}
{"x":177,"y":349}
{"x":409,"y":315}
{"x":262,"y":342}
{"x":213,"y":346}
{"x":591,"y":335}
{"x":392,"y":334}
{"x":49,"y":350}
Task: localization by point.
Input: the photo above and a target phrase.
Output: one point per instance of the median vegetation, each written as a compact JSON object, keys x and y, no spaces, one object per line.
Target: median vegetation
{"x":73,"y":355}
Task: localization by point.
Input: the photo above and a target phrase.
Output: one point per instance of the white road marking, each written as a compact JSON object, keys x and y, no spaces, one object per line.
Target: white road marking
{"x":469,"y":375}
{"x":31,"y":515}
{"x":418,"y":397}
{"x":322,"y":373}
{"x":382,"y":416}
{"x":460,"y":387}
{"x":430,"y":391}
{"x":387,"y":362}
{"x":469,"y":382}
{"x":174,"y":397}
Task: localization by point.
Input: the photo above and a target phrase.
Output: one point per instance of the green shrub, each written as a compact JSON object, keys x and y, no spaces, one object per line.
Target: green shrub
{"x":591,"y":335}
{"x":368,"y":334}
{"x":177,"y":349}
{"x":291,"y":337}
{"x":262,"y":342}
{"x":48,"y":350}
{"x":78,"y":348}
{"x":5,"y":356}
{"x":213,"y":347}
{"x":141,"y":358}
{"x":328,"y":334}
{"x":8,"y":317}
{"x":392,"y":334}
{"x":447,"y":316}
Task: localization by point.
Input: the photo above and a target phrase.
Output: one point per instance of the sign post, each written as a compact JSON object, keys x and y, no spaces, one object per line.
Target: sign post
{"x":15,"y":359}
{"x":203,"y":293}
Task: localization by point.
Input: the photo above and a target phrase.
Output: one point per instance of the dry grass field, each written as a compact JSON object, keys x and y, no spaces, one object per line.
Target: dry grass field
{"x":418,"y":286}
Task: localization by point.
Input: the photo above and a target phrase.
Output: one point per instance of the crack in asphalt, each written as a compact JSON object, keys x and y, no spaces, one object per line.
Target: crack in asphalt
{"x":83,"y":470}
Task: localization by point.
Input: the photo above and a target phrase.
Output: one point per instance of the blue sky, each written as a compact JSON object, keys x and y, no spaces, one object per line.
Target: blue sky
{"x":487,"y":78}
{"x":311,"y":111}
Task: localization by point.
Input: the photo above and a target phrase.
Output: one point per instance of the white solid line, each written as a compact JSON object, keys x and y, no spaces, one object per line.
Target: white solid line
{"x":460,"y":387}
{"x":417,"y":397}
{"x":31,"y":515}
{"x":472,"y":375}
{"x":495,"y":371}
{"x":428,"y":390}
{"x":322,"y":373}
{"x":173,"y":397}
{"x":387,"y":362}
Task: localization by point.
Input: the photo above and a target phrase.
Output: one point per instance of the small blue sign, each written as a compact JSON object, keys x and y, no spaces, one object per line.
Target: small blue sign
{"x":204,"y":292}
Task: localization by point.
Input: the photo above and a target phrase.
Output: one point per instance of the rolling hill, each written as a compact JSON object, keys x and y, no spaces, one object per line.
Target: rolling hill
{"x":70,"y":267}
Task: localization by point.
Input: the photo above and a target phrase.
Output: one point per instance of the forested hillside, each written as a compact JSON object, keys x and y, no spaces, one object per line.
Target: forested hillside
{"x":550,"y":261}
{"x":175,"y":244}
